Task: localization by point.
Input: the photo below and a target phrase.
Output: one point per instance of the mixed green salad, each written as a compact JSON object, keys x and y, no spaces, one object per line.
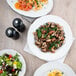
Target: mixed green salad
{"x":10,"y":65}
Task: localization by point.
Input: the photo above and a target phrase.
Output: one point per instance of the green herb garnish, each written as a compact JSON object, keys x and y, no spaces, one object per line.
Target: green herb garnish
{"x":39,"y":33}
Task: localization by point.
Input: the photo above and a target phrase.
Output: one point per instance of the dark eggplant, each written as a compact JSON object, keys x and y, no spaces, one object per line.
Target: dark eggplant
{"x":18,"y":24}
{"x":9,"y":32}
{"x":12,"y":33}
{"x":22,"y":28}
{"x":15,"y":35}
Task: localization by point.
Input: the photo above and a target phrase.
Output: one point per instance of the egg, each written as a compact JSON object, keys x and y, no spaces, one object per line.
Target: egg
{"x":15,"y":62}
{"x":55,"y":73}
{"x":14,"y":66}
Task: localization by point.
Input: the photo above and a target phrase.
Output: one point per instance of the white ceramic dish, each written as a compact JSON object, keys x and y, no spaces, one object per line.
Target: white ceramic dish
{"x":45,"y":68}
{"x":13,"y":52}
{"x":45,"y":10}
{"x":62,"y":51}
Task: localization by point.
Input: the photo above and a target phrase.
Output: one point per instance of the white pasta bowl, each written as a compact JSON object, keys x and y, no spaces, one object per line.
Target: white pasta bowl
{"x":62,"y":51}
{"x":45,"y":10}
{"x":13,"y":52}
{"x":45,"y":68}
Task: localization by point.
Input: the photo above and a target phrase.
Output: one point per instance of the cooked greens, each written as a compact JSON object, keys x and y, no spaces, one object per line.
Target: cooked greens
{"x":49,"y":37}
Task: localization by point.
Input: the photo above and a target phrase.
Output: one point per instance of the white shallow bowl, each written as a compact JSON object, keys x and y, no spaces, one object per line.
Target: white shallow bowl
{"x":13,"y":52}
{"x":45,"y":68}
{"x":45,"y":10}
{"x":62,"y":51}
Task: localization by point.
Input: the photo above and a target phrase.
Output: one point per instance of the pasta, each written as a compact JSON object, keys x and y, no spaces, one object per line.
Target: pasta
{"x":27,"y":5}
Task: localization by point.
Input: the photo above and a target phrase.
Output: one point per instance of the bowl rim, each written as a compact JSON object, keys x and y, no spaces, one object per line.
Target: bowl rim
{"x":34,"y":15}
{"x":10,"y":51}
{"x":36,"y":22}
{"x":52,"y":64}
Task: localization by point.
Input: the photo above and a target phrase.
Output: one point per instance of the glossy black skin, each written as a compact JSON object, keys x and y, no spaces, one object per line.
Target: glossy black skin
{"x":22,"y":28}
{"x":12,"y":33}
{"x":9,"y":32}
{"x":18,"y":24}
{"x":16,"y":35}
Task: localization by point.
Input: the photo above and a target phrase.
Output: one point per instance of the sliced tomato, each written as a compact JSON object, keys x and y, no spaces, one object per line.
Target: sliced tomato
{"x":1,"y":71}
{"x":19,"y":0}
{"x":26,"y":9}
{"x":29,"y":5}
{"x":23,"y":5}
{"x":10,"y":56}
{"x":13,"y":70}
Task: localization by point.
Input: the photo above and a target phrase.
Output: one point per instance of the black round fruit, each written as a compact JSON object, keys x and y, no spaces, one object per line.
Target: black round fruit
{"x":17,"y":22}
{"x":9,"y":32}
{"x":22,"y":28}
{"x":15,"y":35}
{"x":12,"y":33}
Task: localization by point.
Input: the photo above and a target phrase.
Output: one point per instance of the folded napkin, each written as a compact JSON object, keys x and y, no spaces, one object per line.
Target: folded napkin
{"x":26,"y":49}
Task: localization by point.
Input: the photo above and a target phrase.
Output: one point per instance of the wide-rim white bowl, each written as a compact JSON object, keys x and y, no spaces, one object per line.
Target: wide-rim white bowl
{"x":45,"y":10}
{"x":62,"y":51}
{"x":47,"y":67}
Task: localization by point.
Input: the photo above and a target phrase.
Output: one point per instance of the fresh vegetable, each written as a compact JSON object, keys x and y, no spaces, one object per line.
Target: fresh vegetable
{"x":12,"y":33}
{"x":49,"y":37}
{"x":18,"y":24}
{"x":39,"y":33}
{"x":27,"y":5}
{"x":10,"y":65}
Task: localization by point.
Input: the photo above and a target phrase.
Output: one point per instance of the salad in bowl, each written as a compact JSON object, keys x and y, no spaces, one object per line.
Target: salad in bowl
{"x":11,"y":63}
